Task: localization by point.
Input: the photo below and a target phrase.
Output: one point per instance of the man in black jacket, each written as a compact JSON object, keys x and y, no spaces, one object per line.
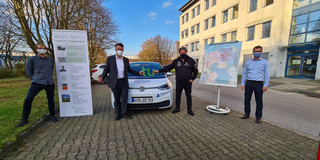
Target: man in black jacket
{"x":117,"y":66}
{"x":186,"y":73}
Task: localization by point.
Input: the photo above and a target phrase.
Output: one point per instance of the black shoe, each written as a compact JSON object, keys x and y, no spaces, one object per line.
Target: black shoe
{"x":245,"y":116}
{"x":118,"y":117}
{"x":126,"y":117}
{"x":175,"y":111}
{"x":22,"y":123}
{"x":191,"y":113}
{"x":258,"y":120}
{"x":53,"y":118}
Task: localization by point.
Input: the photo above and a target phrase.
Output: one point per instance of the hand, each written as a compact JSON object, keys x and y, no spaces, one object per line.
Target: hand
{"x":141,"y":73}
{"x":242,"y":88}
{"x":264,"y":89}
{"x":156,"y":71}
{"x":100,"y":79}
{"x":191,"y":80}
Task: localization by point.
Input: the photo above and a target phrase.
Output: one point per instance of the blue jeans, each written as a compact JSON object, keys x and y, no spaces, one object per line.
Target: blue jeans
{"x":255,"y":87}
{"x":33,"y":92}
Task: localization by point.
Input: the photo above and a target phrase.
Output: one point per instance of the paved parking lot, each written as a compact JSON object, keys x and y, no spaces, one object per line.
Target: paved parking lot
{"x":158,"y":134}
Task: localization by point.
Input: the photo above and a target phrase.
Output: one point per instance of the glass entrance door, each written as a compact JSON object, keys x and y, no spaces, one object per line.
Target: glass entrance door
{"x":302,"y":63}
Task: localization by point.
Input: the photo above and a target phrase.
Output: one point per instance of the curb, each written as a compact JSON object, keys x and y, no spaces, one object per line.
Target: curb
{"x":7,"y":148}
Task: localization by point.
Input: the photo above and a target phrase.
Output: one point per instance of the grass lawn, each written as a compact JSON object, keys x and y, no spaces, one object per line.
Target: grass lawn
{"x":12,"y":94}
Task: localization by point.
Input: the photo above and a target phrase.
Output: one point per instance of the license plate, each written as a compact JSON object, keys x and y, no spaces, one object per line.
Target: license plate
{"x":142,"y":99}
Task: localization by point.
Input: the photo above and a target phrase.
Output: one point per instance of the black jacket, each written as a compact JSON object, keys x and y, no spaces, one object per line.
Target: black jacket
{"x":184,"y":70}
{"x":112,"y":70}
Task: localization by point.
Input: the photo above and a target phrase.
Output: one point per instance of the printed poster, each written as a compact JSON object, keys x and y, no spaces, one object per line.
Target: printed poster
{"x":73,"y":72}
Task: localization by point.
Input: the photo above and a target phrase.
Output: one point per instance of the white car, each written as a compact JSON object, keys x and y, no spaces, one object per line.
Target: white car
{"x":150,"y":91}
{"x":97,"y":71}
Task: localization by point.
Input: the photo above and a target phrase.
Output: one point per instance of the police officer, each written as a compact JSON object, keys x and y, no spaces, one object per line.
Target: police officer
{"x":186,"y":73}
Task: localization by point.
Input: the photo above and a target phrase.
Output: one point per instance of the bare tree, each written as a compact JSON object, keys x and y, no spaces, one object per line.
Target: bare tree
{"x":158,"y":49}
{"x":10,"y":35}
{"x":38,"y":17}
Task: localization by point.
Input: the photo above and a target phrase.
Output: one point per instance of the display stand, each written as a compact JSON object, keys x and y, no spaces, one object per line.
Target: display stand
{"x":216,"y":108}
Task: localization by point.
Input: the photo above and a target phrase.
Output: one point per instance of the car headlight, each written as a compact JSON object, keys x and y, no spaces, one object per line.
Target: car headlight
{"x":164,"y":87}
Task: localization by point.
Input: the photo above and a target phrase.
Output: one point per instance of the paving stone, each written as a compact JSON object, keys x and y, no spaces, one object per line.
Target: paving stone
{"x":158,"y":134}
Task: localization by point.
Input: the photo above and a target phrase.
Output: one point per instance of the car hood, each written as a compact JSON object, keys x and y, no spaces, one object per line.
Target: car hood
{"x":147,"y":83}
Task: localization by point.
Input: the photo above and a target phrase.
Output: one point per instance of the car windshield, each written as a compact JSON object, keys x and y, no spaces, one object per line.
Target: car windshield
{"x":148,"y":70}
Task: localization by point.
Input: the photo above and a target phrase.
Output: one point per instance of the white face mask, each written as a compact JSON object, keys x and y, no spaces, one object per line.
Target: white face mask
{"x":41,"y":51}
{"x":119,"y":52}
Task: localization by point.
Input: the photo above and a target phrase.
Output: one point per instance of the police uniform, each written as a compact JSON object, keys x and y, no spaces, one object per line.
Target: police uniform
{"x":185,"y":70}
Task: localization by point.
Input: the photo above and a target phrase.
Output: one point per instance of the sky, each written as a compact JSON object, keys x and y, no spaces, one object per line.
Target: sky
{"x":139,"y":20}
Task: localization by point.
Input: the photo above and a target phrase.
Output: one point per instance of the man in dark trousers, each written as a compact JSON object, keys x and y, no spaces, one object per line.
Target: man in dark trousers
{"x":39,"y":69}
{"x":186,"y":73}
{"x":117,"y":66}
{"x":255,"y":78}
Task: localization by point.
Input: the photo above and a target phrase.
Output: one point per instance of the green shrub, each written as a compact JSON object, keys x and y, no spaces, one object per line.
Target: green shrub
{"x":6,"y":72}
{"x":20,"y":70}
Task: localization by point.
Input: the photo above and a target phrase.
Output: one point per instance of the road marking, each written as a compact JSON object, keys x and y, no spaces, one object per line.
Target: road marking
{"x":285,"y":94}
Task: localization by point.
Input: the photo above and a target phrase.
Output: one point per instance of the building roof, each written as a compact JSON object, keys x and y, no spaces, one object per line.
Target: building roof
{"x":189,"y":4}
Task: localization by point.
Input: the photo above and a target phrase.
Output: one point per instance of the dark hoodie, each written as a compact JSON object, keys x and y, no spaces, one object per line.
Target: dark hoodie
{"x":184,"y":70}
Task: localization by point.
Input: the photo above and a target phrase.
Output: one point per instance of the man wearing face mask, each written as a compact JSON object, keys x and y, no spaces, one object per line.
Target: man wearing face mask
{"x":255,"y":78}
{"x":117,"y":66}
{"x":186,"y":73}
{"x":39,"y":69}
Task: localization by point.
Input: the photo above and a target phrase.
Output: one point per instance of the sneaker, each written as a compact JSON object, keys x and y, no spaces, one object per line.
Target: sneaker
{"x":245,"y":116}
{"x":126,"y":116}
{"x":53,"y":118}
{"x":258,"y":120}
{"x":22,"y":123}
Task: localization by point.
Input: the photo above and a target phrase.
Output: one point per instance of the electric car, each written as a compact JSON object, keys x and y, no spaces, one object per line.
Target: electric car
{"x":150,"y":91}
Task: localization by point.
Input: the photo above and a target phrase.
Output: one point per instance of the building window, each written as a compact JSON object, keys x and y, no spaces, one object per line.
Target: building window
{"x":198,"y":13}
{"x":182,"y":35}
{"x":192,"y":30}
{"x":235,"y":11}
{"x":266,"y":29}
{"x":206,"y":41}
{"x":225,"y":16}
{"x":297,"y":38}
{"x":300,"y":3}
{"x":207,"y":4}
{"x":198,"y":27}
{"x":186,"y":46}
{"x":214,"y":2}
{"x":299,"y":19}
{"x":224,"y":38}
{"x":212,"y":40}
{"x":313,"y":36}
{"x":206,"y":24}
{"x":187,"y":17}
{"x":192,"y":47}
{"x":213,"y":21}
{"x":182,"y":20}
{"x":186,"y":32}
{"x":197,"y":46}
{"x":193,"y":13}
{"x":253,"y":5}
{"x":268,"y":2}
{"x":250,"y":35}
{"x":233,"y":36}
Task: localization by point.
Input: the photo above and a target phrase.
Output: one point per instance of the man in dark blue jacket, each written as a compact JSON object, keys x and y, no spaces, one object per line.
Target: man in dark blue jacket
{"x":186,"y":73}
{"x":39,"y":69}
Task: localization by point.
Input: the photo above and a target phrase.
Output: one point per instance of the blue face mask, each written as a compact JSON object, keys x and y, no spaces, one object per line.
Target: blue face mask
{"x":256,"y":54}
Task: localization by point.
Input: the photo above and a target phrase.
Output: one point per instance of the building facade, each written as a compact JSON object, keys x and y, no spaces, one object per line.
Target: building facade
{"x":281,"y":27}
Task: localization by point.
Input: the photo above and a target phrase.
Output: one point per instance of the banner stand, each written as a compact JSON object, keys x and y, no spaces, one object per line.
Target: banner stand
{"x":216,"y":108}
